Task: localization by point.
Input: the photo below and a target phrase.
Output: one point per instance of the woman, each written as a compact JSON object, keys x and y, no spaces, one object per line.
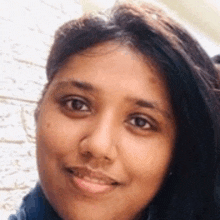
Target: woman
{"x":127,"y":127}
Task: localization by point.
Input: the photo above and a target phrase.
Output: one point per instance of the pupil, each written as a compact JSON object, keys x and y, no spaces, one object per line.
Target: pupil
{"x":76,"y":104}
{"x":140,"y":122}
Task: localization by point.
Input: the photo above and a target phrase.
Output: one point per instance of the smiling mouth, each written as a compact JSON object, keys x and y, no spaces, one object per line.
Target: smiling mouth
{"x":91,"y":181}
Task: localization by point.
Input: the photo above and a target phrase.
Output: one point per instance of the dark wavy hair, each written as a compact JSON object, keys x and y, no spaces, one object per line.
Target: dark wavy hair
{"x":189,"y":193}
{"x":216,"y":60}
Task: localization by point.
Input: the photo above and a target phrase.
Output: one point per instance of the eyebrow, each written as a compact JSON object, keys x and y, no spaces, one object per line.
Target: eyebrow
{"x":152,"y":105}
{"x":74,"y":83}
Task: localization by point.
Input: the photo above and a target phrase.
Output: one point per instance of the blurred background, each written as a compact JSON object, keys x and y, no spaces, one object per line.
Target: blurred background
{"x":27,"y":28}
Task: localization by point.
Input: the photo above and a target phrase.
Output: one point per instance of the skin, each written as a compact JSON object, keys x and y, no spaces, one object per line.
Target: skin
{"x":111,"y":113}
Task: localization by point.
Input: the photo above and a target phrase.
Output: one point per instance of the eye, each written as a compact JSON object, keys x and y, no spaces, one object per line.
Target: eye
{"x":76,"y":104}
{"x":141,"y":122}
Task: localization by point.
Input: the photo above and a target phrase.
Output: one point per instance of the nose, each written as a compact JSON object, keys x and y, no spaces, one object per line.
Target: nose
{"x":100,"y":142}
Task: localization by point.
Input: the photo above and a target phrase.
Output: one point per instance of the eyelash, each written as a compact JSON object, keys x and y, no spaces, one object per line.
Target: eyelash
{"x":146,"y":122}
{"x":134,"y":119}
{"x":69,"y":101}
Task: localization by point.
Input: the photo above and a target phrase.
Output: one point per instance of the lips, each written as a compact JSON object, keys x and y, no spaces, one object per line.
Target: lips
{"x":91,"y":181}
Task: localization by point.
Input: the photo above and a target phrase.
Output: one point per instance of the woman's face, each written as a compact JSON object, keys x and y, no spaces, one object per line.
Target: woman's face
{"x":105,"y":135}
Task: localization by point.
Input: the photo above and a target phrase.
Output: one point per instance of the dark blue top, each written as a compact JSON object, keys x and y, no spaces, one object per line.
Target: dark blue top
{"x":35,"y":207}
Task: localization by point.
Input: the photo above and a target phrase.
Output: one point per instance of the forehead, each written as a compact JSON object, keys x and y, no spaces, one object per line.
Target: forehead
{"x":112,"y":59}
{"x":113,"y":51}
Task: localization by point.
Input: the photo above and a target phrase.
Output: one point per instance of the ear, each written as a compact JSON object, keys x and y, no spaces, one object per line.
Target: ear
{"x":37,"y":110}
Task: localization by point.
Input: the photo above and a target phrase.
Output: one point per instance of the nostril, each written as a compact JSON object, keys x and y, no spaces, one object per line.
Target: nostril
{"x":87,"y":154}
{"x":96,"y":147}
{"x":107,"y":158}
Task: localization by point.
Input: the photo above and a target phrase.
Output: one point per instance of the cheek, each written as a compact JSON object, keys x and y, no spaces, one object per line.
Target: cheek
{"x":56,"y":134}
{"x":147,"y":159}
